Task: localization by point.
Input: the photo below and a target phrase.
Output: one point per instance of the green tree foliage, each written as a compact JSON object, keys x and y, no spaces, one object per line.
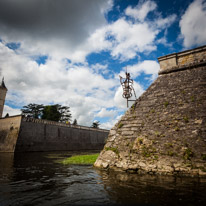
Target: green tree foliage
{"x":74,"y":122}
{"x":51,"y":112}
{"x":65,"y":113}
{"x":55,"y":112}
{"x":95,"y":124}
{"x":33,"y":110}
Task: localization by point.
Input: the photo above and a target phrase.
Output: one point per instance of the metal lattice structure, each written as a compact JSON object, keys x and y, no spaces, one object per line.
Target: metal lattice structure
{"x":127,"y":85}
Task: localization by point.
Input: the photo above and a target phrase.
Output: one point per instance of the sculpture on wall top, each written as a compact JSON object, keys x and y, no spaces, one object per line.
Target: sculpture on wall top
{"x":127,"y":85}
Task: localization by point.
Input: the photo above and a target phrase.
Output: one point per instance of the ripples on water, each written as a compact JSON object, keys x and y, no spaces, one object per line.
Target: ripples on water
{"x":37,"y":179}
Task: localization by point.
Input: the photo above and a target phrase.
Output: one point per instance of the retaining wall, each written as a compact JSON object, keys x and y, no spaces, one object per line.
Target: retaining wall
{"x":42,"y":135}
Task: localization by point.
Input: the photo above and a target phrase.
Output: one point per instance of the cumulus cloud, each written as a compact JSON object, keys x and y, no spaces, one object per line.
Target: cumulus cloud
{"x":99,"y":68}
{"x":131,"y":38}
{"x":141,"y":10}
{"x":67,"y":32}
{"x":51,"y":27}
{"x":128,"y":37}
{"x":106,"y":113}
{"x":74,"y":29}
{"x":111,"y":123}
{"x":148,"y":67}
{"x":193,"y":24}
{"x":11,"y":111}
{"x":77,"y":86}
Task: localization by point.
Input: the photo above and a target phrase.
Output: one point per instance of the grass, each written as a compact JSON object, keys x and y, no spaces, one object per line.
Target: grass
{"x":120,"y":125}
{"x":186,"y":119}
{"x":114,"y":149}
{"x":188,"y":154}
{"x":81,"y":159}
{"x":166,"y":103}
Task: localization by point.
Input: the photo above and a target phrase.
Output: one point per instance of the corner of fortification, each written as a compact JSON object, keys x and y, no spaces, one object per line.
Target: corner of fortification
{"x":164,"y":131}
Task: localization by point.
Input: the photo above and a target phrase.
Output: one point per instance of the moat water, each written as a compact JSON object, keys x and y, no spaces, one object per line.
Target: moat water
{"x":38,"y":179}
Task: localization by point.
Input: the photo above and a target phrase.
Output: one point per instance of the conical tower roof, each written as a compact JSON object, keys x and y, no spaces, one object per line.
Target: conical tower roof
{"x":3,"y":86}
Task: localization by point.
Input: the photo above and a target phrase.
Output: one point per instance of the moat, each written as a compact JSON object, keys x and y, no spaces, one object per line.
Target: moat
{"x":38,"y":179}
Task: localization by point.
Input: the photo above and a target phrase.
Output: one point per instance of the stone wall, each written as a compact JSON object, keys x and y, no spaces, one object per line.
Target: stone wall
{"x":26,"y":134}
{"x":165,"y":130}
{"x":9,"y":130}
{"x":41,"y":135}
{"x":183,"y":58}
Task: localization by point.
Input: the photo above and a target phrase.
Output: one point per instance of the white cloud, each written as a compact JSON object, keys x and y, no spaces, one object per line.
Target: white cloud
{"x":99,"y":68}
{"x":166,"y":22}
{"x":125,"y":38}
{"x":106,"y":113}
{"x":141,"y":10}
{"x":111,"y":123}
{"x":131,"y":38}
{"x":193,"y":24}
{"x":10,"y":111}
{"x":148,"y":67}
{"x":59,"y":29}
{"x":61,"y":32}
{"x":77,"y":86}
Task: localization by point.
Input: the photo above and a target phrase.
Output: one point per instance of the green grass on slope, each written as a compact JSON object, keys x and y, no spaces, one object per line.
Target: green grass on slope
{"x":81,"y":159}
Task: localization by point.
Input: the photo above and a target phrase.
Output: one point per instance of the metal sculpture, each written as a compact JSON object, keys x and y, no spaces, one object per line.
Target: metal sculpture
{"x":127,"y":85}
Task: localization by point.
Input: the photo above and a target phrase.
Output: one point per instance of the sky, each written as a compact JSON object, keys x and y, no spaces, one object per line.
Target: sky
{"x":72,"y":52}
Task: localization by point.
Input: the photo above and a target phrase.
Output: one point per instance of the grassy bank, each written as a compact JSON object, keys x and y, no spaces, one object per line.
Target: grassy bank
{"x":81,"y":159}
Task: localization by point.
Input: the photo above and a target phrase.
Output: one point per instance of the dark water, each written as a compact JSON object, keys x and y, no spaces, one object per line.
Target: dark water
{"x":37,"y":179}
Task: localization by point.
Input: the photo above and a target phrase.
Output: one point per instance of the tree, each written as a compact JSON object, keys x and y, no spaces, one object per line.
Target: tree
{"x":95,"y":124}
{"x":51,"y":112}
{"x":33,"y":110}
{"x":7,"y":115}
{"x":55,"y":112}
{"x":65,"y":113}
{"x":74,"y":122}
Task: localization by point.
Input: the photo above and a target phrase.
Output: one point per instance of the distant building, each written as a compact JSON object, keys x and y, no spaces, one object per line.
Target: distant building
{"x":3,"y":91}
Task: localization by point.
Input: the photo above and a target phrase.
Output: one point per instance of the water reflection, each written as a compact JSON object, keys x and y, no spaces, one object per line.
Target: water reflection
{"x":6,"y":166}
{"x":37,"y":179}
{"x":155,"y":190}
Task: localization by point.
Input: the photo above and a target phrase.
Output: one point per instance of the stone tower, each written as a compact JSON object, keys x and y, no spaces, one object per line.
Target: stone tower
{"x":3,"y":91}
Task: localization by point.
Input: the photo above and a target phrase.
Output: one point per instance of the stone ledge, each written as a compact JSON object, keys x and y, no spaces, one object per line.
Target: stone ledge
{"x":183,"y":67}
{"x":182,"y":58}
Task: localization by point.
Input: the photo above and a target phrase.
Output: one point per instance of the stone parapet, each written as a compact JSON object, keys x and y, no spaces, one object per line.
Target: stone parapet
{"x":43,"y":121}
{"x":175,"y":60}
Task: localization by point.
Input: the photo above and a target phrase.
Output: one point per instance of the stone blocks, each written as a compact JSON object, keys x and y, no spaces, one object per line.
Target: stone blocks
{"x":164,"y":131}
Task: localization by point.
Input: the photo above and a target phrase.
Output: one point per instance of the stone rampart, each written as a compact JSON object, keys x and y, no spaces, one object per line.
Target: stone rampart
{"x":185,"y":58}
{"x":164,"y":131}
{"x":20,"y":134}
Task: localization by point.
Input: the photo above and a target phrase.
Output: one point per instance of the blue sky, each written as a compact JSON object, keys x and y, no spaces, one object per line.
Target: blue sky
{"x":72,"y":52}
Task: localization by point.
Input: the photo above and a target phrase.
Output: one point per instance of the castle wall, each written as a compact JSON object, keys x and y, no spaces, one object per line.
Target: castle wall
{"x":9,"y":130}
{"x":182,"y":58}
{"x":42,"y":135}
{"x":165,"y":129}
